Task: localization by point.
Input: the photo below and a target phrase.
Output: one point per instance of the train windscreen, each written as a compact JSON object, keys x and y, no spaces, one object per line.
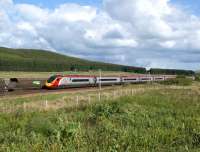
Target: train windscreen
{"x":52,"y":78}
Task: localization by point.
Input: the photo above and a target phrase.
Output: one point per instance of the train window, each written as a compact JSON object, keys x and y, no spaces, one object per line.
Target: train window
{"x":52,"y":78}
{"x":80,"y":80}
{"x":108,"y":79}
{"x":158,"y":78}
{"x":146,"y":79}
{"x":130,"y":79}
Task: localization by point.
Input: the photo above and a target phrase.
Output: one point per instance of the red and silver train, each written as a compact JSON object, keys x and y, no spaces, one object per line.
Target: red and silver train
{"x":67,"y":81}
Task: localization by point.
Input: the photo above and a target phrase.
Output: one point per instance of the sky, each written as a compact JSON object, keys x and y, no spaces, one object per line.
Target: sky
{"x":193,"y":5}
{"x":147,"y":33}
{"x":55,"y":3}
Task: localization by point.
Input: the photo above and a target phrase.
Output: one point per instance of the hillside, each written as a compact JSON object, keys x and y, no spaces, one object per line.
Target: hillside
{"x":40,"y":60}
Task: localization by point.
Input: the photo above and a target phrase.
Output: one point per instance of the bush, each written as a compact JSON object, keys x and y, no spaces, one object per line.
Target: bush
{"x":181,"y":77}
{"x":197,"y":78}
{"x":178,"y":81}
{"x":106,"y":110}
{"x":42,"y":125}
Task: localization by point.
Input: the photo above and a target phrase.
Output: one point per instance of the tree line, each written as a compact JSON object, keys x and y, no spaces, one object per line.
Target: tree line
{"x":172,"y":72}
{"x":50,"y":66}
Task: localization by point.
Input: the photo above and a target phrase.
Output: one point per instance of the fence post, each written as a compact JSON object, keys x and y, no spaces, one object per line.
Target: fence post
{"x":12,"y":108}
{"x":121,"y":92}
{"x":24,"y":106}
{"x":46,"y":104}
{"x":114,"y":94}
{"x":89,"y":99}
{"x":99,"y":96}
{"x":64,"y":98}
{"x":132,"y":92}
{"x":2,"y":108}
{"x":9,"y":109}
{"x":108,"y":96}
{"x":77,"y":101}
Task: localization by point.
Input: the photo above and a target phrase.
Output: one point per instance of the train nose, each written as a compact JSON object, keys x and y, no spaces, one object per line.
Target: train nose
{"x":48,"y":85}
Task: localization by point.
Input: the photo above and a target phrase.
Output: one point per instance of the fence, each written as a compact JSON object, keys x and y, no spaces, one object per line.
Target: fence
{"x":2,"y":86}
{"x":72,"y":101}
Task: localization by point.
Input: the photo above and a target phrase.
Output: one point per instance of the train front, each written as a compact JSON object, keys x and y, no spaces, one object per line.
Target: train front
{"x":52,"y":82}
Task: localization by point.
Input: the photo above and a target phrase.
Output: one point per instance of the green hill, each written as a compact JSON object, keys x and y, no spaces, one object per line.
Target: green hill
{"x":40,"y":60}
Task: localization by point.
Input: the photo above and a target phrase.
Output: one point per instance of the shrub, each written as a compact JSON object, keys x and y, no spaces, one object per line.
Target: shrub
{"x":42,"y":125}
{"x":178,"y":81}
{"x":181,"y":77}
{"x":106,"y":110}
{"x":197,"y":78}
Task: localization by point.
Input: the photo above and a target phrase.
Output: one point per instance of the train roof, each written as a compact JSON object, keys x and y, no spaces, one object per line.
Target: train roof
{"x":125,"y":76}
{"x":79,"y":76}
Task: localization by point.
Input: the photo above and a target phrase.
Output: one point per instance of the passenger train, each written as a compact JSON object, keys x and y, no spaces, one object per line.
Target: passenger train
{"x":67,"y":81}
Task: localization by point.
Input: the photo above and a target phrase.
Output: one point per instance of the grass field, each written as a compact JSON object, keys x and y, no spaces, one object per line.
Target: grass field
{"x":4,"y":74}
{"x":165,"y":119}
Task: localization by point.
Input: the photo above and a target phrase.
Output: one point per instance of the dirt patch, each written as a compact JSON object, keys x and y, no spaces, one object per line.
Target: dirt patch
{"x":26,"y":83}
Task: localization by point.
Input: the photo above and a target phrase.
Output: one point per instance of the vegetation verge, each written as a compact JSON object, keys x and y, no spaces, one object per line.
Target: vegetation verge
{"x":161,"y":120}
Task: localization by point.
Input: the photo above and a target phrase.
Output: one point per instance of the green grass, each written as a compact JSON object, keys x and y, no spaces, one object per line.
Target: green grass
{"x":18,"y":74}
{"x":197,"y":76}
{"x":162,"y":120}
{"x":179,"y":81}
{"x":40,"y":60}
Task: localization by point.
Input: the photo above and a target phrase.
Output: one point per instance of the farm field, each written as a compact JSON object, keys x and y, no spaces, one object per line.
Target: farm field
{"x":47,"y":74}
{"x":145,"y":117}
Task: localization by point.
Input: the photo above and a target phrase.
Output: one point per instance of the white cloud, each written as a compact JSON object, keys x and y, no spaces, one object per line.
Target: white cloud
{"x":150,"y":33}
{"x":74,"y":12}
{"x":31,"y":13}
{"x":145,"y":16}
{"x":5,"y":3}
{"x":168,"y":44}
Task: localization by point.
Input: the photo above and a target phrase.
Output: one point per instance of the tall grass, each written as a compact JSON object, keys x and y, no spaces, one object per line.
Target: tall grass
{"x":164,"y":120}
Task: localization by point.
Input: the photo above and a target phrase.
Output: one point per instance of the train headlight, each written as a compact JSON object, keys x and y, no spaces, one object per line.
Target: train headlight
{"x":48,"y":85}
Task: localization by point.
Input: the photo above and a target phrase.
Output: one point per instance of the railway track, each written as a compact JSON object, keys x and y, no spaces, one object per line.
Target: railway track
{"x":25,"y":87}
{"x":29,"y":86}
